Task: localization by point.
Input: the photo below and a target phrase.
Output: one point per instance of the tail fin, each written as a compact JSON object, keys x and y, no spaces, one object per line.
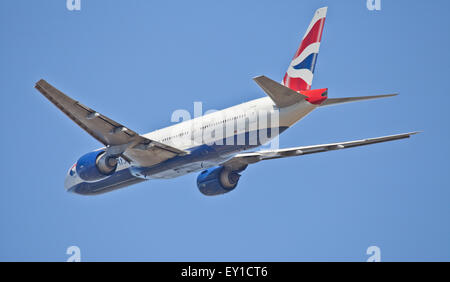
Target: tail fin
{"x":300,"y":73}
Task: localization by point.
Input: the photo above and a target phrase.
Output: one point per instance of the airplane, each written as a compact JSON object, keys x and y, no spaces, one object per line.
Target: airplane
{"x":128,"y":158}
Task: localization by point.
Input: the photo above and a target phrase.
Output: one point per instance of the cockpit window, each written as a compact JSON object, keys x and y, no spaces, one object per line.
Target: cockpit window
{"x":72,"y":170}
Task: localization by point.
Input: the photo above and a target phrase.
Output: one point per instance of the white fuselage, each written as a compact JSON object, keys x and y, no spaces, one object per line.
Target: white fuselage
{"x":233,"y":121}
{"x":212,"y":139}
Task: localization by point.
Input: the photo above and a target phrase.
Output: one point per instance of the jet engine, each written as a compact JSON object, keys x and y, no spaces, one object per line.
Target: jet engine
{"x":217,"y":181}
{"x":95,"y":166}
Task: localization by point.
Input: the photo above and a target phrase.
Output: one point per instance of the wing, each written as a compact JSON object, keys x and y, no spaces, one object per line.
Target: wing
{"x":118,"y":139}
{"x":240,"y":161}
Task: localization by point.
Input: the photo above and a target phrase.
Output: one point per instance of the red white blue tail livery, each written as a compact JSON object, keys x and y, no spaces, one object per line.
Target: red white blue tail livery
{"x":300,"y":73}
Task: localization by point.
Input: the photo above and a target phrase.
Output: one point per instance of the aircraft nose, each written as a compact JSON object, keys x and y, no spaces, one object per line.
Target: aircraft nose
{"x":71,"y":177}
{"x":70,"y":183}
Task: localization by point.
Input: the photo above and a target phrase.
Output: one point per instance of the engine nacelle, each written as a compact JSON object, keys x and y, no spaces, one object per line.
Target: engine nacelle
{"x":95,"y":166}
{"x":217,"y":181}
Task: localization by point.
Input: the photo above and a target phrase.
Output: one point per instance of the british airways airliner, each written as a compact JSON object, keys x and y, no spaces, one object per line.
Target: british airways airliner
{"x":218,"y":144}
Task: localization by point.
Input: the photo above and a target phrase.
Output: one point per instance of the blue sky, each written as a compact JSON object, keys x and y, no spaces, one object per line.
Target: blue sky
{"x":138,"y":61}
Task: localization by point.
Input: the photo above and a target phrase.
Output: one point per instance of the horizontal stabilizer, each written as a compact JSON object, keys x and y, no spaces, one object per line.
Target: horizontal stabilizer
{"x":335,"y":101}
{"x":280,"y":94}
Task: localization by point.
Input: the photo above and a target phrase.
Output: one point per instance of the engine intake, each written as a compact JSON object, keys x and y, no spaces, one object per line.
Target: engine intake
{"x":217,"y":181}
{"x":95,"y":166}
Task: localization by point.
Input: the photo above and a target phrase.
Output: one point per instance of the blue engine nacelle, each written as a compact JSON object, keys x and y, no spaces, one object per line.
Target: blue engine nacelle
{"x":95,"y":166}
{"x":217,"y":181}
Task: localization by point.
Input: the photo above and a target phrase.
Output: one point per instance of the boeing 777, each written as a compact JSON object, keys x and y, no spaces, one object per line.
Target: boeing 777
{"x":218,"y":144}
